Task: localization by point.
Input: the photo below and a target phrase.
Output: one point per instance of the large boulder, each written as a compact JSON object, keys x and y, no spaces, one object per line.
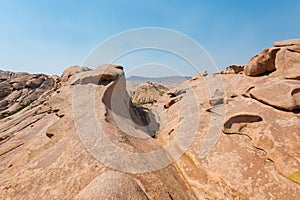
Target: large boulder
{"x":35,"y":82}
{"x":287,"y":64}
{"x":283,"y":60}
{"x":101,"y":75}
{"x":69,"y":72}
{"x":233,"y":69}
{"x":262,"y":63}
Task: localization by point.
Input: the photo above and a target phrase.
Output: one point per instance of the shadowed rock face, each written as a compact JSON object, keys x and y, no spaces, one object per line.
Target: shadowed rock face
{"x":235,"y":124}
{"x":245,"y":144}
{"x":262,"y":63}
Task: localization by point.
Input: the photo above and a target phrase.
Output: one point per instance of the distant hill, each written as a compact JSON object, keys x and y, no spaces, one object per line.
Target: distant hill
{"x":158,"y":79}
{"x":168,"y":81}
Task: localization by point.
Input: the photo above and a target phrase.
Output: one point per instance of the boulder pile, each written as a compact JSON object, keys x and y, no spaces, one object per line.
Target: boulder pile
{"x":18,"y":90}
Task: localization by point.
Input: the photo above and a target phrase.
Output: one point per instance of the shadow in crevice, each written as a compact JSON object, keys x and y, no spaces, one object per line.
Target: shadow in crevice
{"x":235,"y":124}
{"x":118,"y":101}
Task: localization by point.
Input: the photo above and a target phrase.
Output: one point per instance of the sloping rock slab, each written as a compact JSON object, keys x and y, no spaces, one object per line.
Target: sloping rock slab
{"x":279,"y":93}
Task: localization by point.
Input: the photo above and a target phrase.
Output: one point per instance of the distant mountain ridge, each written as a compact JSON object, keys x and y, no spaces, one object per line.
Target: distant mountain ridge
{"x":154,"y":79}
{"x":168,"y":81}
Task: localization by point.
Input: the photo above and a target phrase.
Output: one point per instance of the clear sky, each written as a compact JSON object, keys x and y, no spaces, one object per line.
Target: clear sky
{"x":49,"y":35}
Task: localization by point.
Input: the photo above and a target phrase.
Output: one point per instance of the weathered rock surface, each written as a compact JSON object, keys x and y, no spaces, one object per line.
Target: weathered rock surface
{"x":101,"y":75}
{"x":262,"y":63}
{"x":70,"y":72}
{"x":278,"y":93}
{"x":18,"y":90}
{"x":51,"y":162}
{"x":255,"y":157}
{"x":148,"y":93}
{"x":233,"y":69}
{"x":110,"y":185}
{"x":7,"y":75}
{"x":287,"y":64}
{"x":285,"y":43}
{"x":232,"y":136}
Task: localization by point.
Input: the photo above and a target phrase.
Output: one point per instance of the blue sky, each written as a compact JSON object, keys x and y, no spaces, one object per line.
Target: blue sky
{"x":50,"y":35}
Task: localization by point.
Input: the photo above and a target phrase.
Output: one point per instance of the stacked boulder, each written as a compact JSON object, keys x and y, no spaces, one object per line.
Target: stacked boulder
{"x":18,"y":90}
{"x":283,"y":60}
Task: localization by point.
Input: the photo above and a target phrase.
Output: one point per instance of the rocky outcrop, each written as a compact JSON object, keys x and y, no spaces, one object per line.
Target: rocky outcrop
{"x":292,"y":45}
{"x":220,"y":136}
{"x":101,"y":75}
{"x":52,"y":153}
{"x":287,"y":64}
{"x":233,"y":69}
{"x":278,"y":93}
{"x":7,"y":75}
{"x":148,"y":93}
{"x":18,"y":90}
{"x":283,"y":60}
{"x":262,"y":63}
{"x":71,"y":71}
{"x":255,"y":156}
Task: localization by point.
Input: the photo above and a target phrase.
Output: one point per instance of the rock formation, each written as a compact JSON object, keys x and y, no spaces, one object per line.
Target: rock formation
{"x":18,"y":90}
{"x":233,"y":69}
{"x":283,"y":60}
{"x":148,"y":93}
{"x":230,"y":135}
{"x":49,"y":161}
